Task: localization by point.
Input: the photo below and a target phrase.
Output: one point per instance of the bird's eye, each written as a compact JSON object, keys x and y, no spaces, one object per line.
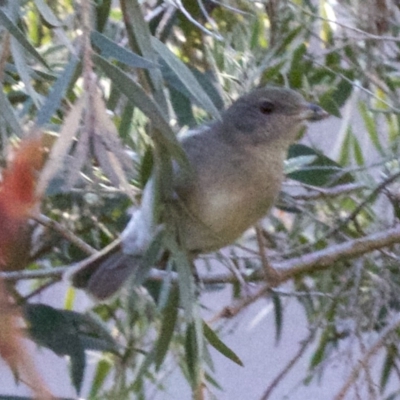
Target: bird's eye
{"x":266,"y":107}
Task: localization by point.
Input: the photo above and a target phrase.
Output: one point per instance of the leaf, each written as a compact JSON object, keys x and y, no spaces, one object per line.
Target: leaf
{"x":219,"y":345}
{"x":191,"y":354}
{"x":23,"y":70}
{"x":8,"y":113}
{"x":296,"y":72}
{"x":68,"y":333}
{"x":102,"y":13}
{"x":108,"y":48}
{"x":170,"y":315}
{"x":103,"y":370}
{"x":139,"y":97}
{"x":107,"y":147}
{"x":389,"y":365}
{"x":182,"y":108}
{"x":186,"y":77}
{"x":136,"y":95}
{"x":62,"y":146}
{"x":278,"y":312}
{"x":358,"y":155}
{"x":297,"y":163}
{"x":139,"y":33}
{"x":186,"y":280}
{"x":209,"y":82}
{"x":336,"y":97}
{"x":20,"y":37}
{"x":57,"y":92}
{"x":47,"y":13}
{"x":371,"y":126}
{"x":149,"y":258}
{"x":321,"y":172}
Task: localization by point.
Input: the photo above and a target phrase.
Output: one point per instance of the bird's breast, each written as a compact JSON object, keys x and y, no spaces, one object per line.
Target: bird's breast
{"x":221,"y":206}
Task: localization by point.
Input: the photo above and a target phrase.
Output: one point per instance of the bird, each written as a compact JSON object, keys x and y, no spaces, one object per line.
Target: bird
{"x":237,"y":168}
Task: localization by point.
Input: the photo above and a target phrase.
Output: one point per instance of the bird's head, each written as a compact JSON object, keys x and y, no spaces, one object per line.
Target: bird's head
{"x":269,"y":115}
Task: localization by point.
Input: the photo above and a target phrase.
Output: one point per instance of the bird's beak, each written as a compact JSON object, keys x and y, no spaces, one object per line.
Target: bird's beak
{"x":312,"y":112}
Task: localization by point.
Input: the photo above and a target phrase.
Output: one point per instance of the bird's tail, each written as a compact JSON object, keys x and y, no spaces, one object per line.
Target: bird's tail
{"x":103,"y":274}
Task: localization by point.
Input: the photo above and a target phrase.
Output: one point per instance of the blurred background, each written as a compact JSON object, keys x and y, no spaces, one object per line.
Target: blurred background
{"x":105,"y":86}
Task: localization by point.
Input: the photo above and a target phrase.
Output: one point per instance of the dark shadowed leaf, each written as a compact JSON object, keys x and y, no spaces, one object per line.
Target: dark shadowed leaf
{"x":219,"y":345}
{"x":278,"y":312}
{"x":321,"y":172}
{"x":8,"y":114}
{"x":191,"y":353}
{"x":57,"y":92}
{"x":140,"y":99}
{"x":186,"y":76}
{"x":47,"y":13}
{"x":20,"y":37}
{"x":68,"y":333}
{"x":110,"y":49}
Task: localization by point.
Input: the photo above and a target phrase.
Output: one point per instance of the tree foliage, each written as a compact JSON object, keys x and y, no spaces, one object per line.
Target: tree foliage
{"x":109,"y":84}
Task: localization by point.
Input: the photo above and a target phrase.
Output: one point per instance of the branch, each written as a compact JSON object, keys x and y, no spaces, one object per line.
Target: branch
{"x":288,"y":269}
{"x":328,"y":192}
{"x":64,"y":232}
{"x":323,"y":259}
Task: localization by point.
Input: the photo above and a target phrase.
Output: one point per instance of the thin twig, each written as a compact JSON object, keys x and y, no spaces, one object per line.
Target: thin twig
{"x":64,"y":232}
{"x":288,"y":366}
{"x":365,"y":35}
{"x":329,"y":192}
{"x":363,"y":363}
{"x":271,"y":275}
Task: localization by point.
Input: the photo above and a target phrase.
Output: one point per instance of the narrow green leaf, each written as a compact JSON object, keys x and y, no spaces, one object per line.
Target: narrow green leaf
{"x":170,"y":314}
{"x":47,"y":13}
{"x":20,"y":37}
{"x":186,"y":77}
{"x":66,"y":332}
{"x":57,"y":92}
{"x":182,"y":108}
{"x":77,"y":367}
{"x":23,"y":70}
{"x":278,"y":312}
{"x":297,"y":163}
{"x":296,"y":72}
{"x":191,"y":355}
{"x":109,"y":48}
{"x":371,"y":126}
{"x":327,"y":102}
{"x":358,"y":155}
{"x":140,"y":98}
{"x":321,"y":172}
{"x":209,"y":81}
{"x":8,"y":114}
{"x":344,"y":157}
{"x":102,"y":13}
{"x":148,"y":259}
{"x":124,"y":127}
{"x":102,"y":371}
{"x":219,"y":345}
{"x":287,"y":40}
{"x":139,"y":34}
{"x":389,"y":365}
{"x":343,"y":90}
{"x":186,"y":281}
